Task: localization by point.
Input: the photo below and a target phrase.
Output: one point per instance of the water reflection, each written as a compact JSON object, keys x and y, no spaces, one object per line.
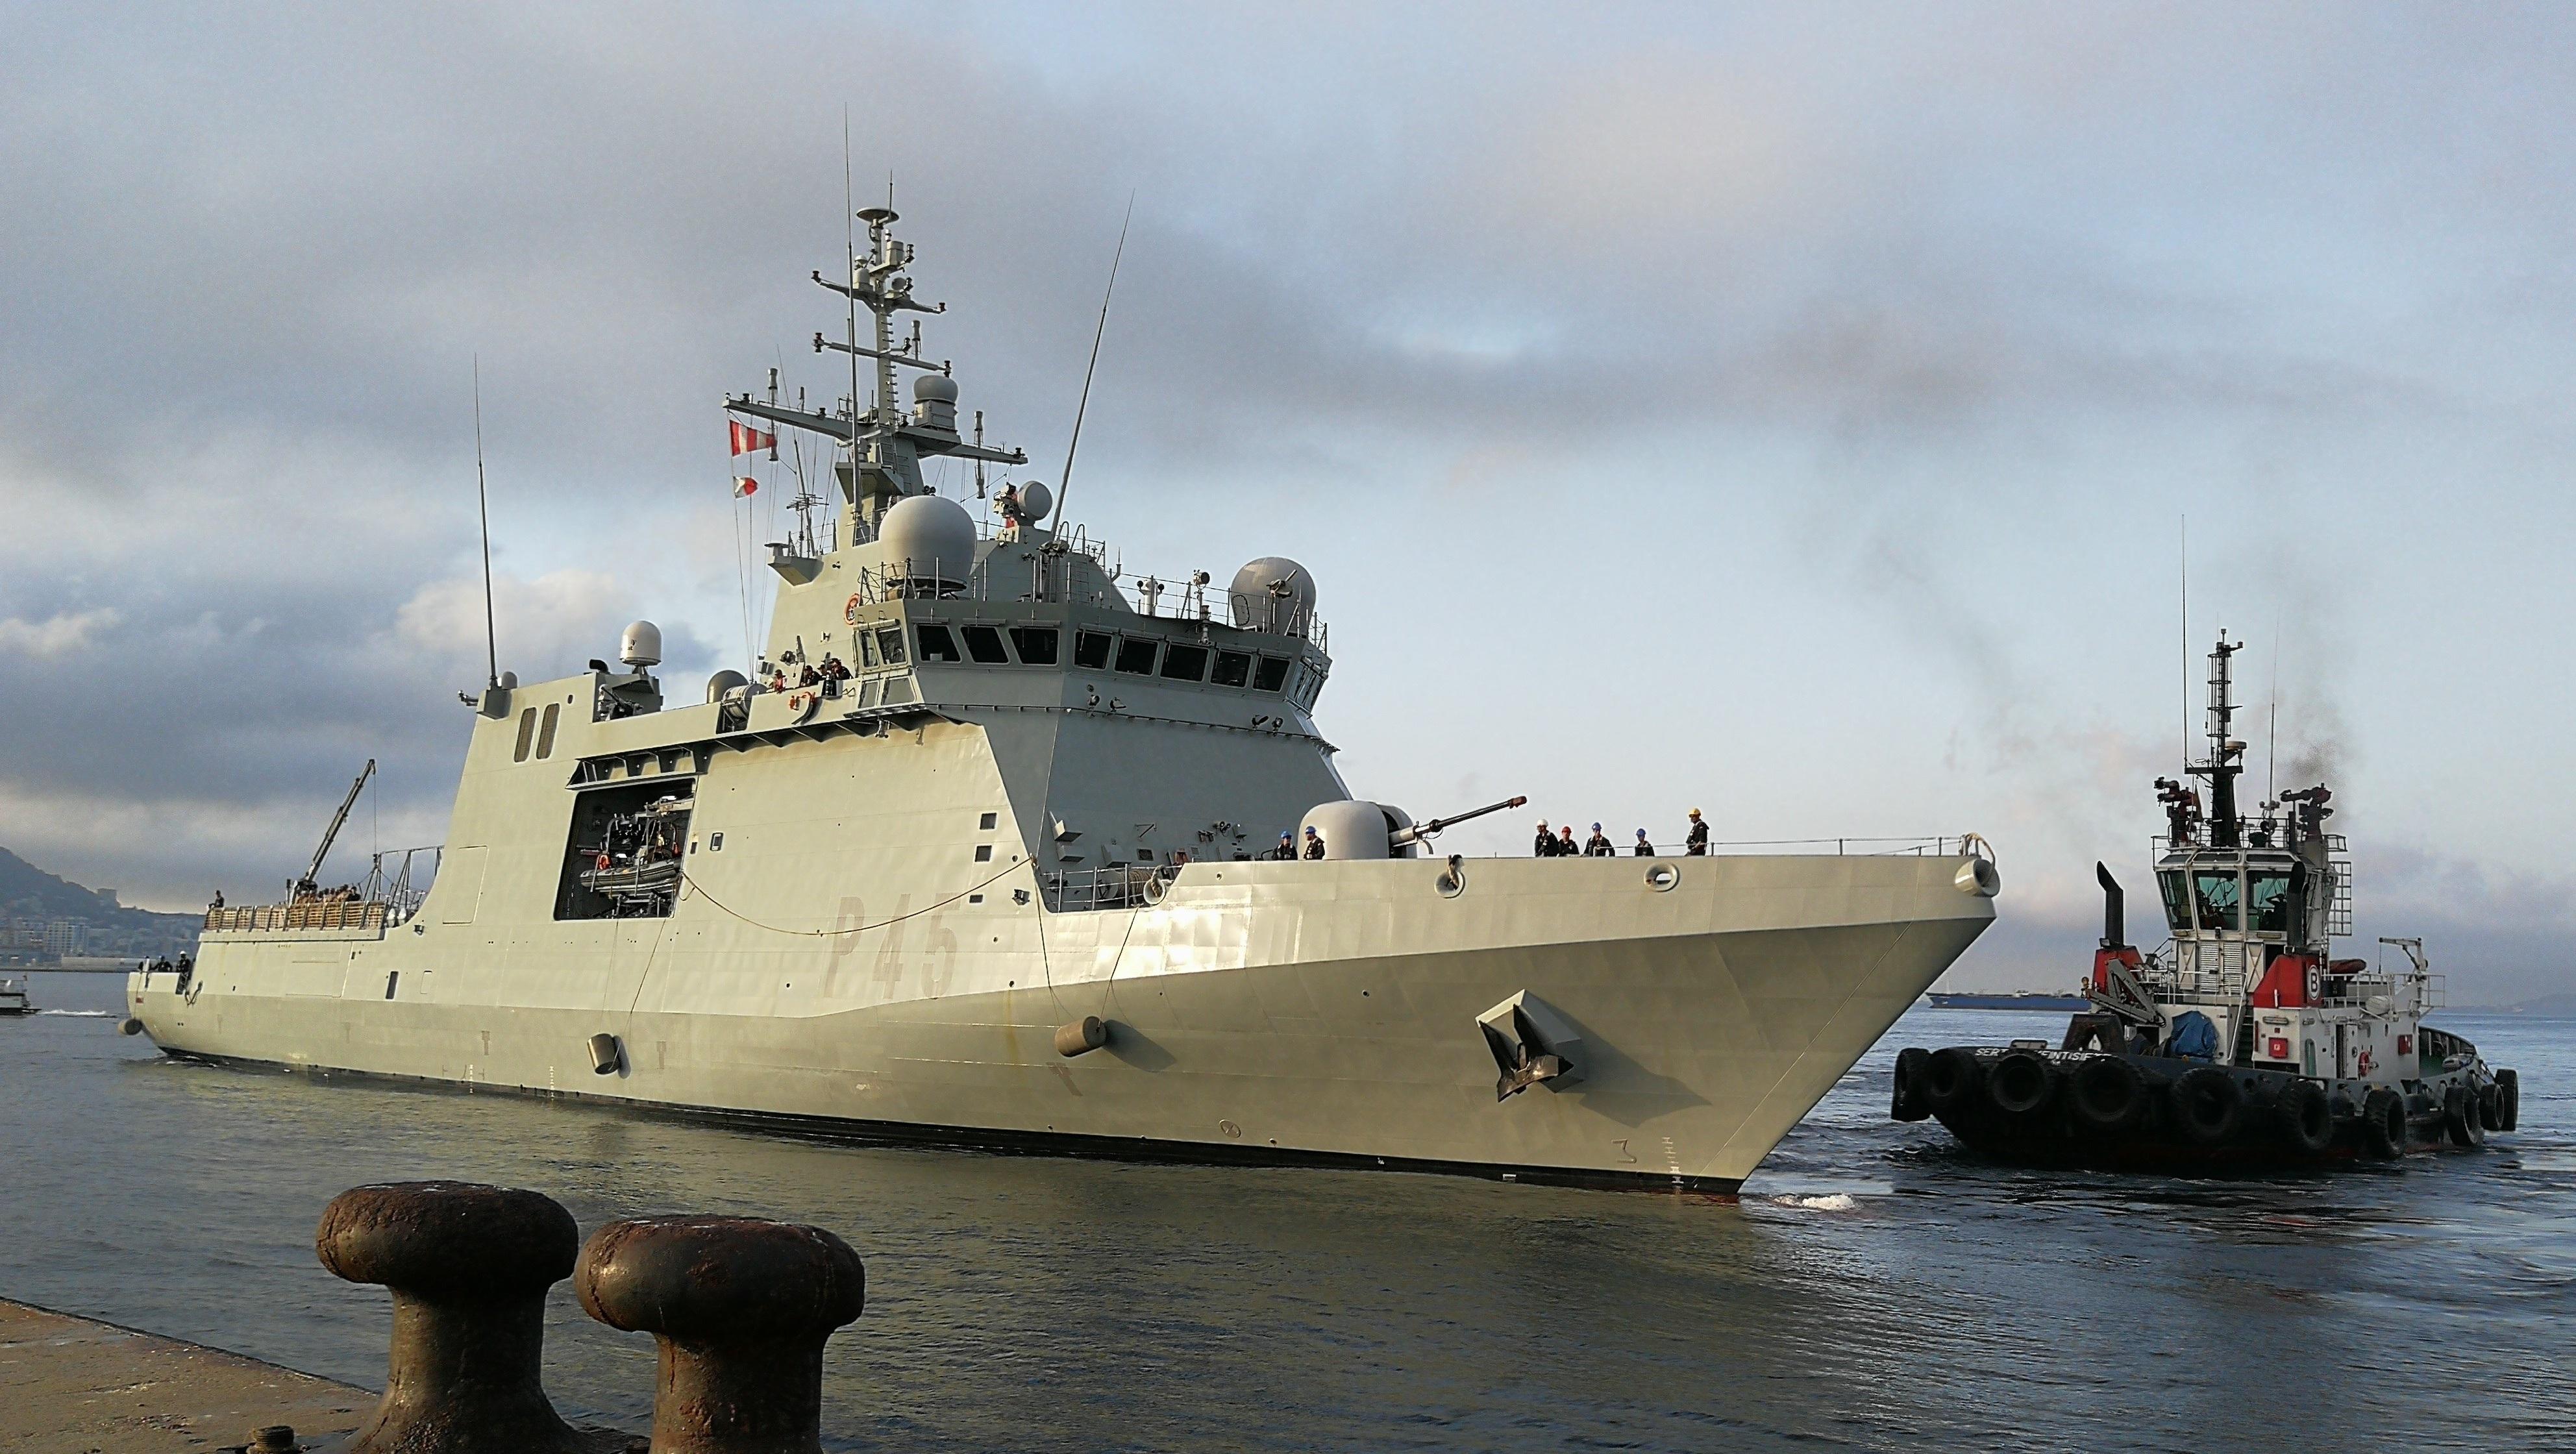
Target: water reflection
{"x":1875,"y":1288}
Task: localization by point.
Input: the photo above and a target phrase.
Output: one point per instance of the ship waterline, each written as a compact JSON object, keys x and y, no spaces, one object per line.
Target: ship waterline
{"x":1260,"y":1011}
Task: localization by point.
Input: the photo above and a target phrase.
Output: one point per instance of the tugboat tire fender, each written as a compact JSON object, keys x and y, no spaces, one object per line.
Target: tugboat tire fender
{"x":1951,"y":1078}
{"x":2022,"y":1083}
{"x":2307,"y":1117}
{"x":2508,"y":1099}
{"x":2108,"y":1093}
{"x":2383,"y":1124}
{"x":2205,"y":1103}
{"x":1906,"y":1102}
{"x":2460,"y":1117}
{"x":2490,"y":1107}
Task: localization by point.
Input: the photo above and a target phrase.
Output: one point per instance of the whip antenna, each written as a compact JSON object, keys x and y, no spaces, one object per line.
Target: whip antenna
{"x":483,"y":513}
{"x":1064,"y":486}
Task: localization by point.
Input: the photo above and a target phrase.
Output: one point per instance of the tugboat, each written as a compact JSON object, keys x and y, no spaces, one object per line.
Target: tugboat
{"x":2242,"y":1043}
{"x":13,"y":997}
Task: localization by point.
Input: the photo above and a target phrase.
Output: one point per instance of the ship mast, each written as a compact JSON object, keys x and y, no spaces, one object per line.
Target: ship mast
{"x":2225,"y":752}
{"x":886,"y":444}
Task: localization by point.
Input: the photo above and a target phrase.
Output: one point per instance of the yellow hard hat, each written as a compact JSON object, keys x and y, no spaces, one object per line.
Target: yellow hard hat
{"x":1694,"y":812}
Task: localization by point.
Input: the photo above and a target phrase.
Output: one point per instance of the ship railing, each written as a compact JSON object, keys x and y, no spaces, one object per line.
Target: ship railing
{"x":396,"y":884}
{"x":1119,"y":886}
{"x":1961,"y":845}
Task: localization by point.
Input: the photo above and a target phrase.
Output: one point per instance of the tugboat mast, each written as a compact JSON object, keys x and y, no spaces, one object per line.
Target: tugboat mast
{"x":2225,"y":753}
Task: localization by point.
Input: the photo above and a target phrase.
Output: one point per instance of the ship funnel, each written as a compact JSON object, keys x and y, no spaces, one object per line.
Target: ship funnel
{"x":2114,"y":906}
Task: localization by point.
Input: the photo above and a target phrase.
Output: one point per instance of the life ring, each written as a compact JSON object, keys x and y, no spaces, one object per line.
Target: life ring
{"x":2307,"y":1117}
{"x":1905,"y":1100}
{"x":850,"y":612}
{"x":802,"y":704}
{"x":2022,"y":1083}
{"x":2205,"y":1102}
{"x":2108,"y":1093}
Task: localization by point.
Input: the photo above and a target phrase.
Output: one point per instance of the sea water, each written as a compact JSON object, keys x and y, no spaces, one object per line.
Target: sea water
{"x":1874,"y":1287}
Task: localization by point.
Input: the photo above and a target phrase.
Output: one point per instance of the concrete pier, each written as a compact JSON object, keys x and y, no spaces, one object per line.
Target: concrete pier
{"x":84,"y":1387}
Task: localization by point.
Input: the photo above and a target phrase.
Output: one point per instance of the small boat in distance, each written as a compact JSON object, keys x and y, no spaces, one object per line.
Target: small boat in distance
{"x":13,"y":996}
{"x":2244,"y":1041}
{"x":2011,"y":1000}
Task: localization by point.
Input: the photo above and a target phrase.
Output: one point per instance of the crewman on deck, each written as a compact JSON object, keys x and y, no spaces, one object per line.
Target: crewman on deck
{"x":1697,"y":844}
{"x":1314,"y":842}
{"x":1546,"y":841}
{"x":1643,"y":849}
{"x":1598,"y":845}
{"x":1287,"y":849}
{"x":1566,"y":847}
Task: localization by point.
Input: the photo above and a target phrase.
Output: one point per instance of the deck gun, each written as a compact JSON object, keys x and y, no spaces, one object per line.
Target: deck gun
{"x":1424,"y":832}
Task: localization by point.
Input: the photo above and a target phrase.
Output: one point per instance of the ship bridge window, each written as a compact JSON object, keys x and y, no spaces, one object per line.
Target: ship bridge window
{"x":546,"y":730}
{"x":890,"y":646}
{"x":1185,"y":663}
{"x":527,"y":733}
{"x":2218,"y":897}
{"x":1037,"y":644}
{"x":867,"y":648}
{"x":1136,"y":655}
{"x":1091,"y":649}
{"x":2177,"y":893}
{"x":1233,"y":668}
{"x":1272,"y":676}
{"x":2267,"y":899}
{"x":937,"y":644}
{"x":984,"y":643}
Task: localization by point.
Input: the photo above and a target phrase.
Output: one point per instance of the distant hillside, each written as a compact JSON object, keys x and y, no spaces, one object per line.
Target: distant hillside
{"x":28,"y":892}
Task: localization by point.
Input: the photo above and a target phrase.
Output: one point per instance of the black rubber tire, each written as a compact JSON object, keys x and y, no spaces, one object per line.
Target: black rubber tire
{"x":2460,"y":1117}
{"x":2383,"y":1124}
{"x":2305,"y":1116}
{"x":1905,"y":1100}
{"x":2021,"y":1084}
{"x":2490,"y":1109}
{"x":1952,"y":1078}
{"x":2107,"y":1093}
{"x":2205,"y":1105}
{"x":2508,"y":1099}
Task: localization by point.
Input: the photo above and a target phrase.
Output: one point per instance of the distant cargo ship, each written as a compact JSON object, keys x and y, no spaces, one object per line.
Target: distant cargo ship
{"x":2019,"y":1000}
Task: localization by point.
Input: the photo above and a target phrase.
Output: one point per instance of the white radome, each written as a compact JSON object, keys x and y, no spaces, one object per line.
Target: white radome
{"x":927,"y":538}
{"x":641,"y":645}
{"x":1273,"y":593}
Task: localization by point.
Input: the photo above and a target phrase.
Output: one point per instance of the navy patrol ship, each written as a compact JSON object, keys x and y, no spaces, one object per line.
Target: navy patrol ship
{"x":975,"y":857}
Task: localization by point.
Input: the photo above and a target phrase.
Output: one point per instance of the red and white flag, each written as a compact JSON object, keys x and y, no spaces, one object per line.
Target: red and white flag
{"x":744,"y":487}
{"x":747,"y":440}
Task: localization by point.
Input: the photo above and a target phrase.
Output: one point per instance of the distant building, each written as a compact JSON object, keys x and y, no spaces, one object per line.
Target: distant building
{"x":66,"y":936}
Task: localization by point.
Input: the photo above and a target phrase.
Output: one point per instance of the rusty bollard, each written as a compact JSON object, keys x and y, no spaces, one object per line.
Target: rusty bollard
{"x":469,"y":1267}
{"x":741,"y":1309}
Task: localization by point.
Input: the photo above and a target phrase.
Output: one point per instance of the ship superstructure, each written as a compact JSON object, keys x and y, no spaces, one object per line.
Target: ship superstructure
{"x":981,"y":851}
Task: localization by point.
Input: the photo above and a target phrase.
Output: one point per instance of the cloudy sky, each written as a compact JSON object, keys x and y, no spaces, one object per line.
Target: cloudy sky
{"x":1794,"y":412}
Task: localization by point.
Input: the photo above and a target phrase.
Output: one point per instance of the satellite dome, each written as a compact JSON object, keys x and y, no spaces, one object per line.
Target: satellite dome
{"x":641,"y":645}
{"x":927,"y":539}
{"x":1275,"y":594}
{"x":725,"y":683}
{"x":1035,"y":501}
{"x":934,"y":401}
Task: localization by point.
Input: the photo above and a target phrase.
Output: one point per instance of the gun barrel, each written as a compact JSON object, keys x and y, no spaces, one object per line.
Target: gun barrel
{"x":1420,"y":831}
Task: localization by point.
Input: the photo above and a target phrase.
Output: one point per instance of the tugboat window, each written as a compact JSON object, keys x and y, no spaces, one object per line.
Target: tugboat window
{"x":1091,"y":649}
{"x":2217,"y":896}
{"x":1137,"y":657}
{"x":2177,"y":899}
{"x":1037,"y":644}
{"x":984,"y":643}
{"x":1233,"y":668}
{"x":1272,"y":676}
{"x":1185,"y":663}
{"x":936,"y":643}
{"x":2267,"y":899}
{"x":890,"y":646}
